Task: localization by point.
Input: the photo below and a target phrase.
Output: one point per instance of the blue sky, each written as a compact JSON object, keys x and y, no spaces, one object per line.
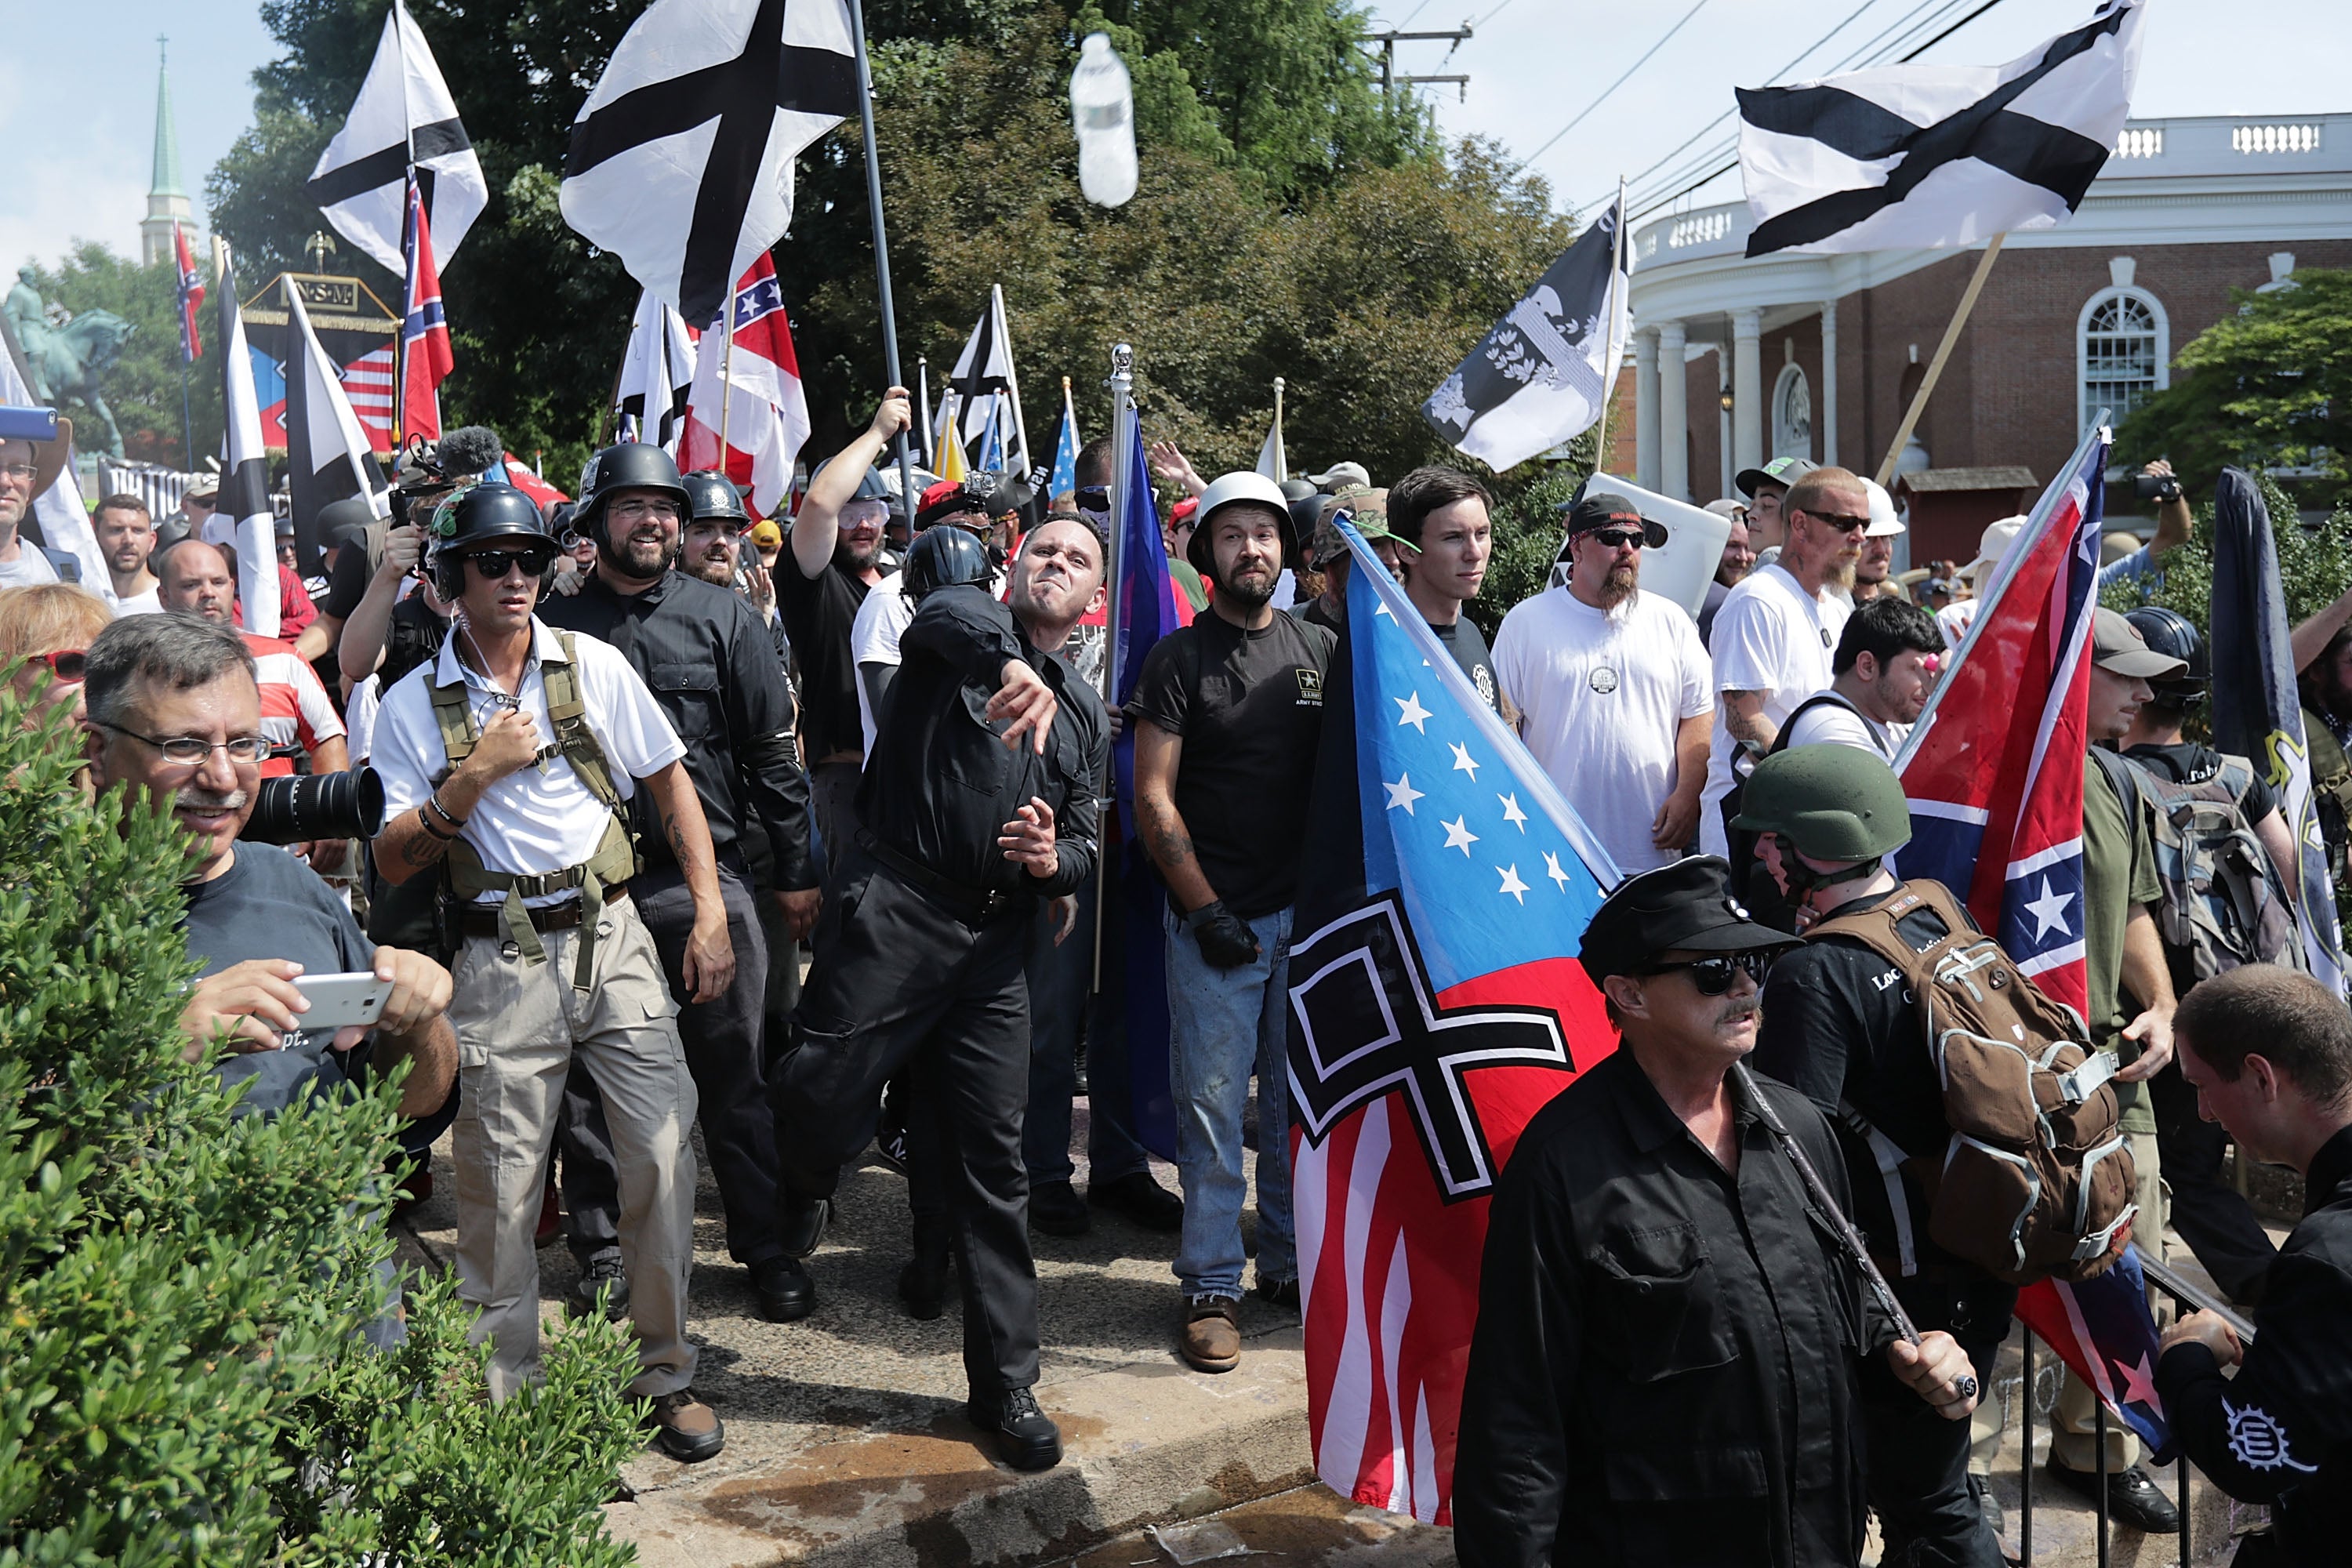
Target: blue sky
{"x":77,"y":111}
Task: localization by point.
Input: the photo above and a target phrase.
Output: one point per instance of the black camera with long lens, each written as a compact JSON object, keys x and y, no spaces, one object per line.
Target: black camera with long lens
{"x":311,"y":806}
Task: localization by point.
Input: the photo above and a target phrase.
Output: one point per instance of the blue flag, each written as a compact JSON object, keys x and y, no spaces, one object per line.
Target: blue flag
{"x":1066,"y":450}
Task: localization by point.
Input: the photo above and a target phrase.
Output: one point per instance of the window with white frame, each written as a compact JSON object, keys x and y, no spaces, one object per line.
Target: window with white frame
{"x":1792,"y":414}
{"x":2123,"y":353}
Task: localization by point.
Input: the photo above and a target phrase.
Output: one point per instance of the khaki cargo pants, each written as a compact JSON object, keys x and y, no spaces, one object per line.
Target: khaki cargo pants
{"x":518,"y":1026}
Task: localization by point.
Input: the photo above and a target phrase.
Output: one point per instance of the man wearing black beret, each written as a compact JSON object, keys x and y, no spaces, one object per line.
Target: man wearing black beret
{"x":1668,"y":1334}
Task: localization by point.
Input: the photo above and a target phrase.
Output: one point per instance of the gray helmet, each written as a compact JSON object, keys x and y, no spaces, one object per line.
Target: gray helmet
{"x":1831,"y":802}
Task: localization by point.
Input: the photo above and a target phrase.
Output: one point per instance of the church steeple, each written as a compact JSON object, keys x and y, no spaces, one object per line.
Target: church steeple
{"x":167,"y":196}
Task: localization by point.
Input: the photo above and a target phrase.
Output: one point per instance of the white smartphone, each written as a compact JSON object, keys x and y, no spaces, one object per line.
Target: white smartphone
{"x":339,"y":1001}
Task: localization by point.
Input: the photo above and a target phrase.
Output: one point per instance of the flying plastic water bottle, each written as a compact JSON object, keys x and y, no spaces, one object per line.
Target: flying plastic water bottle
{"x":1102,"y":103}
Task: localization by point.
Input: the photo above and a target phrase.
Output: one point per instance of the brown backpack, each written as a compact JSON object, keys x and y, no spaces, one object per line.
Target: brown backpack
{"x":2037,"y":1180}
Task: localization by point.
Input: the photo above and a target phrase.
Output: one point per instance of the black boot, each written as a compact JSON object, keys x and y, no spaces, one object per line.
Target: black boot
{"x":923,"y":1283}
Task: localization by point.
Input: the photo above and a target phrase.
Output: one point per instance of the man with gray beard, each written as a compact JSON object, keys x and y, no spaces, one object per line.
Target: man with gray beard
{"x":1774,"y":636}
{"x":1614,"y":695}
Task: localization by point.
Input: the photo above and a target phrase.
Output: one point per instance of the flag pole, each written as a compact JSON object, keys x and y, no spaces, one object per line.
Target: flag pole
{"x":727,"y":379}
{"x":1122,"y":412}
{"x":1609,"y":338}
{"x":923,"y":388}
{"x":1281,"y":446}
{"x":1012,"y":372}
{"x":881,"y":247}
{"x":1936,"y":366}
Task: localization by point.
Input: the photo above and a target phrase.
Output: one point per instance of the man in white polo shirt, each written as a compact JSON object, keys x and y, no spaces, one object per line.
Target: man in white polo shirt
{"x":1612,"y":691}
{"x":550,"y":734}
{"x":1775,"y":634}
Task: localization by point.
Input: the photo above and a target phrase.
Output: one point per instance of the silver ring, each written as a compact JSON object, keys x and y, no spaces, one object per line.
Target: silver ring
{"x":1967,"y":1386}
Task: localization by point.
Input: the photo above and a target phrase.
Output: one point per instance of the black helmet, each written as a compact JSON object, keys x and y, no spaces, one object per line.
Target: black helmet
{"x":943,"y":557}
{"x":478,"y":516}
{"x":873,"y":487}
{"x":711,"y":496}
{"x":631,"y":465}
{"x":2173,"y":634}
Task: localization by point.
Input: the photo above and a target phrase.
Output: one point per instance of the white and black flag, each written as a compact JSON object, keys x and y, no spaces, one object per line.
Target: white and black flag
{"x":681,"y":160}
{"x":1916,"y":155}
{"x":656,"y":374}
{"x":328,"y":456}
{"x":404,"y":115}
{"x":243,"y":498}
{"x":1542,"y":374}
{"x":988,"y":388}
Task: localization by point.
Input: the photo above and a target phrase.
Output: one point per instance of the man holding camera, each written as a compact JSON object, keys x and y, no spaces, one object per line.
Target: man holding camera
{"x":508,"y":765}
{"x":175,"y":711}
{"x":713,"y":670}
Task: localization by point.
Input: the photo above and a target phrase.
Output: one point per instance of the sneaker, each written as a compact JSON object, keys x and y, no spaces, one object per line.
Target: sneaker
{"x":1026,"y":1435}
{"x":551,"y":1216}
{"x":1140,"y":1198}
{"x":685,"y":1428}
{"x":1212,"y":1337}
{"x":1283,"y":1294}
{"x":601,"y":1273}
{"x":1056,"y":1210}
{"x":2132,"y":1498}
{"x":890,"y":1143}
{"x":786,"y":1292}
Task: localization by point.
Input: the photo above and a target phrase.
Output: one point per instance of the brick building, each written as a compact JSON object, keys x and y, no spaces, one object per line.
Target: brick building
{"x":1819,"y":356}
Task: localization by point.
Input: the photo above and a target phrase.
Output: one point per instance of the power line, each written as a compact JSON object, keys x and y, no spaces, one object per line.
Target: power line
{"x":1613,"y":86}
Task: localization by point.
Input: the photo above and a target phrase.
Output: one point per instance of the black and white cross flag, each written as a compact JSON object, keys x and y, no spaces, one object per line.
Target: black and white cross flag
{"x":1938,"y":155}
{"x":985,"y":368}
{"x":1542,"y":374}
{"x":681,"y":160}
{"x":404,"y":115}
{"x":243,"y":498}
{"x":328,"y":456}
{"x":656,"y":374}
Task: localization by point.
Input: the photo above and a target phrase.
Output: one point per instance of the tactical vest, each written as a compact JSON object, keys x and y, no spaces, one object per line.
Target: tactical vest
{"x":616,"y":859}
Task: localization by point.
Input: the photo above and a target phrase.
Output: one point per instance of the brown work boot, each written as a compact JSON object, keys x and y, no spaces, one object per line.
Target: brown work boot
{"x":1211,"y":1339}
{"x":687,"y":1430}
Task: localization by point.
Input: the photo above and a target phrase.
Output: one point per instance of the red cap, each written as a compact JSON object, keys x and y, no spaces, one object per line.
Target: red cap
{"x":946,"y":489}
{"x":1184,"y":509}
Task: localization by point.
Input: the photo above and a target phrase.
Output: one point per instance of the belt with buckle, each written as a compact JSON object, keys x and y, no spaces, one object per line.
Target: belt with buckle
{"x":973,"y":906}
{"x":486,"y":920}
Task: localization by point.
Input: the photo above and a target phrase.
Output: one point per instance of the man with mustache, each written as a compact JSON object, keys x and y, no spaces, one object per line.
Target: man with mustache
{"x":1228,"y":714}
{"x":1670,"y":1342}
{"x":174,"y":714}
{"x":1614,"y":694}
{"x":1775,"y":633}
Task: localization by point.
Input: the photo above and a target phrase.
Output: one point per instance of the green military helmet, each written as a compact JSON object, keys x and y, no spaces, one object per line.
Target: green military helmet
{"x":1831,"y":802}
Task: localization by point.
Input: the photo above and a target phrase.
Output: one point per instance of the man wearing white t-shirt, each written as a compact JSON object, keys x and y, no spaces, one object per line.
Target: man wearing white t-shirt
{"x":25,"y":470}
{"x":126,"y":537}
{"x":1885,"y":666}
{"x":1614,"y":693}
{"x":1775,"y":633}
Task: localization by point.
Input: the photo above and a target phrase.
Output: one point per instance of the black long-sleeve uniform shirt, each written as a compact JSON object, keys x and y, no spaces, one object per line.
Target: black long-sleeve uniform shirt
{"x":941,"y":784}
{"x":711,"y":663}
{"x":2281,"y":1431}
{"x":1664,"y":1369}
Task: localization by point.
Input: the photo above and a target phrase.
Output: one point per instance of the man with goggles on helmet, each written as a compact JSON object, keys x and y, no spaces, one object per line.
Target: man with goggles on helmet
{"x":509,"y":763}
{"x":712,"y":668}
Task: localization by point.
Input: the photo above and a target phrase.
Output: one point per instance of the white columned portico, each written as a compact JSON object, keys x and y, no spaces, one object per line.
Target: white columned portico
{"x":1747,"y":390}
{"x":1674,"y":414}
{"x":1828,"y":382}
{"x":1645,"y":408}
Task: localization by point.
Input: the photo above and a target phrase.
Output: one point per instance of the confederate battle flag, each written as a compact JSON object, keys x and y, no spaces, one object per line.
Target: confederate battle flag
{"x":1436,"y":1004}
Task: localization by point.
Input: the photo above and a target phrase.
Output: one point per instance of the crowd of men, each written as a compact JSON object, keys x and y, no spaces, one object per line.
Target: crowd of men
{"x":644,"y":761}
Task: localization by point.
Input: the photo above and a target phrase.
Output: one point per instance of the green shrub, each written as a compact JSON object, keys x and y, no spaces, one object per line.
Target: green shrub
{"x":183,"y":1378}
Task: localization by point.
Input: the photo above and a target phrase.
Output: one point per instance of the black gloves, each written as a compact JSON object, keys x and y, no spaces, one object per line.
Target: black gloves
{"x":1226,"y":938}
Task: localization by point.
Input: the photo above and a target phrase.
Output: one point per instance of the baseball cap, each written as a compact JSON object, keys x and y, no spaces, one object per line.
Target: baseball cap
{"x":1726,"y":507}
{"x":2120,"y":648}
{"x":205,"y":491}
{"x":1339,"y":474}
{"x":766,"y":535}
{"x":1366,"y":507}
{"x":1686,"y":905}
{"x":1992,"y":546}
{"x":1779,"y":471}
{"x":1601,"y":509}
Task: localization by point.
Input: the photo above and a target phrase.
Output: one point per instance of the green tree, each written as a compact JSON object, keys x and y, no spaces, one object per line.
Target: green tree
{"x":2269,"y":383}
{"x":144,"y":386}
{"x":183,"y":1378}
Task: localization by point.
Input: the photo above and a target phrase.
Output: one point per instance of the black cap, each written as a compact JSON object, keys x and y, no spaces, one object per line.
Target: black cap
{"x":1601,"y":508}
{"x":1687,"y":905}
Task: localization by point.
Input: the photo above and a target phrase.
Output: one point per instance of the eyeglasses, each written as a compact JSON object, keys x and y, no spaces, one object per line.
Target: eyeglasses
{"x":18,"y":470}
{"x":1712,"y":976}
{"x":190,"y":751}
{"x":492,"y":566}
{"x":1618,"y":537}
{"x":67,"y":664}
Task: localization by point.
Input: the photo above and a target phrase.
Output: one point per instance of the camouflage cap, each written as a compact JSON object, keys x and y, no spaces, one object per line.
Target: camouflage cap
{"x":1365,"y":506}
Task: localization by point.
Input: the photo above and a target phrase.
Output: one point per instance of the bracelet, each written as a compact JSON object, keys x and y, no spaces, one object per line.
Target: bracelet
{"x":456,"y":825}
{"x":425,"y":823}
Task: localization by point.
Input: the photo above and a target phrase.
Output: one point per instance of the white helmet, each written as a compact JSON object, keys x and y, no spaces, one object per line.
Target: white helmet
{"x":1884,"y":523}
{"x":1245,"y":484}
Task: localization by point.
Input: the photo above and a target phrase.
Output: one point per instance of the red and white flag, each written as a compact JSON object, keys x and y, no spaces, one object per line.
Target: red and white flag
{"x":192,"y":297}
{"x":756,"y":398}
{"x":426,"y":359}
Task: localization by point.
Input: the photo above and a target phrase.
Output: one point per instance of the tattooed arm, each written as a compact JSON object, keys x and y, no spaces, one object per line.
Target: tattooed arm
{"x":1165,"y":837}
{"x":709,"y":963}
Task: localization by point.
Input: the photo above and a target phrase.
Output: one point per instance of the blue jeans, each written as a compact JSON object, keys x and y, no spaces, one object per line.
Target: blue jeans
{"x":1223,"y":1024}
{"x":1059,"y":1008}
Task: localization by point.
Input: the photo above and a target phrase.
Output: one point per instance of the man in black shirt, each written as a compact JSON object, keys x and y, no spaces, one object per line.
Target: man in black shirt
{"x":1440,"y":517}
{"x":1229,"y":712}
{"x":980,"y":800}
{"x":712,"y":667}
{"x":831,"y":561}
{"x":1665,"y":1368}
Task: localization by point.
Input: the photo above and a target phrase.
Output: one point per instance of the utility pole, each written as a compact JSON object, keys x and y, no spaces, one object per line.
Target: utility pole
{"x":1389,"y":41}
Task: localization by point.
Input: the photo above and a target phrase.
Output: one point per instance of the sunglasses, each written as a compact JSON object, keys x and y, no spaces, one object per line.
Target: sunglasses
{"x":67,"y":664}
{"x":1092,"y":498}
{"x":1712,"y":976}
{"x":1618,"y":537}
{"x":1841,"y":524}
{"x":492,"y":566}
